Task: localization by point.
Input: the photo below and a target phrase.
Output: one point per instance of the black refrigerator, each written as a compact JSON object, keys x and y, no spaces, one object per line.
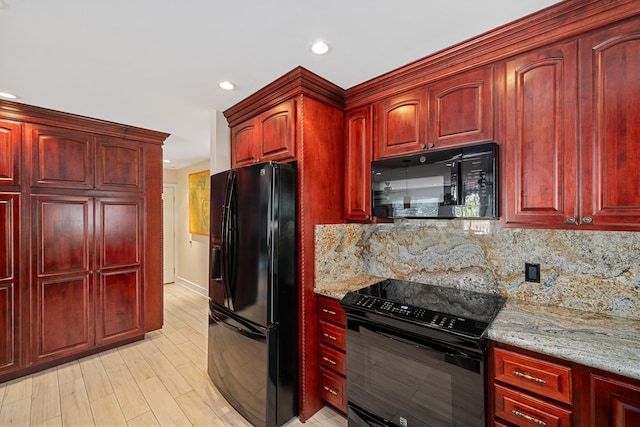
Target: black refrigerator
{"x":253,"y":310}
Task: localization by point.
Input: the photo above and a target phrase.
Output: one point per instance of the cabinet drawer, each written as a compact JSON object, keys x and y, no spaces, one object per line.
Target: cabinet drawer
{"x":332,"y":335}
{"x":333,"y":359}
{"x":524,"y":410}
{"x":545,"y":378}
{"x":333,"y":389}
{"x":331,"y":311}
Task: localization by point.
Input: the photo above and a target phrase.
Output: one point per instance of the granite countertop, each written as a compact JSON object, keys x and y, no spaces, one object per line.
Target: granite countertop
{"x":604,"y":342}
{"x":338,"y":290}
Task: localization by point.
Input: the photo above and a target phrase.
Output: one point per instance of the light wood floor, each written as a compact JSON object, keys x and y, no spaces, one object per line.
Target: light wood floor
{"x":161,"y":380}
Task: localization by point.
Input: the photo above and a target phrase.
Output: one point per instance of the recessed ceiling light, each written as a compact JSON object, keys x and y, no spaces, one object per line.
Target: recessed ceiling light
{"x":319,"y":47}
{"x":226,"y":85}
{"x":167,"y":161}
{"x":7,"y":95}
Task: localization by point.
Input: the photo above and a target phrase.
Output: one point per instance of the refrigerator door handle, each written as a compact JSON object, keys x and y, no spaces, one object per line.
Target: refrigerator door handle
{"x":227,"y":240}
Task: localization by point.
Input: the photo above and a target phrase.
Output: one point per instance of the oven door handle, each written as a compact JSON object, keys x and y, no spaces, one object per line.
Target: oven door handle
{"x":452,"y":352}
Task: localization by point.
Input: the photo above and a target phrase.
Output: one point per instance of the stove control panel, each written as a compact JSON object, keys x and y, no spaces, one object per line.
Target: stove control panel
{"x":419,"y":315}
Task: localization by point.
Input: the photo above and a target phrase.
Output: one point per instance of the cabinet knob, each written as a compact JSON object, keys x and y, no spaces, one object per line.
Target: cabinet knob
{"x":571,"y":220}
{"x":430,"y":146}
{"x":422,"y":146}
{"x":367,"y":217}
{"x":587,"y":220}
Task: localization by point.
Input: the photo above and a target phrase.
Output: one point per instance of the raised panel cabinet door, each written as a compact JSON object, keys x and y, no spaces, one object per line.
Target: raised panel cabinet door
{"x":245,"y":142}
{"x":461,"y":109}
{"x":119,"y":165}
{"x":278,"y":128}
{"x":119,"y":243}
{"x":9,"y":295}
{"x":61,"y":158}
{"x":358,"y":147}
{"x":62,"y":296}
{"x":10,"y":140}
{"x":540,"y":160}
{"x":400,"y":124}
{"x":614,"y":403}
{"x":610,"y":133}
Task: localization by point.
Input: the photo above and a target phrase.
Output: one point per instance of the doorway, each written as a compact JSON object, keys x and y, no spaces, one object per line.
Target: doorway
{"x":169,"y":234}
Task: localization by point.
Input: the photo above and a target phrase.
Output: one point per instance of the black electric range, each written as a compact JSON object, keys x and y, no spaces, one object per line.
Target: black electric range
{"x":426,"y":309}
{"x":416,"y":354}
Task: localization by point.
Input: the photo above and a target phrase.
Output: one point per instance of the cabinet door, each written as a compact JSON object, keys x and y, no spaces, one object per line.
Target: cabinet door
{"x":10,"y":139}
{"x":278,"y":135}
{"x":400,"y":124}
{"x":541,"y":152}
{"x":245,"y":140}
{"x":615,"y":403}
{"x":358,"y":146}
{"x":9,"y":273}
{"x":61,"y":158}
{"x":610,"y":114}
{"x":62,"y":296}
{"x":118,"y":165}
{"x":461,"y":109}
{"x":119,"y":237}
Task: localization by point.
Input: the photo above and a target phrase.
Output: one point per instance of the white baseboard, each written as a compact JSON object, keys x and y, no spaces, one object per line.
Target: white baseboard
{"x":194,"y":287}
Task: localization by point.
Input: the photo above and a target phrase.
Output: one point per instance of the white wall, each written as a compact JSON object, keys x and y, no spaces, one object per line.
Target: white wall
{"x":192,"y":250}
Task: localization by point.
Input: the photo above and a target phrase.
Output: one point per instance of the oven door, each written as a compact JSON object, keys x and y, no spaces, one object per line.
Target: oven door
{"x":398,"y":379}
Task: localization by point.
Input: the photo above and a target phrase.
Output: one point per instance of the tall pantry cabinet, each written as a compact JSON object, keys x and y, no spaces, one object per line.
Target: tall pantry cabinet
{"x":80,"y":211}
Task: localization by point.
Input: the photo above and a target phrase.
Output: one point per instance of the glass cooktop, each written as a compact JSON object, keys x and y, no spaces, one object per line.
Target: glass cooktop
{"x":456,"y":310}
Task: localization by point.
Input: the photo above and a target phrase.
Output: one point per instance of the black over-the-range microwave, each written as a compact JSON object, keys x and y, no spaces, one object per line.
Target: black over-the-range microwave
{"x":454,"y":183}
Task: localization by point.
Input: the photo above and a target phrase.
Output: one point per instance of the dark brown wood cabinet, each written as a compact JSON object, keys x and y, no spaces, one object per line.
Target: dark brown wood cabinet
{"x":10,"y":295}
{"x":526,"y":389}
{"x":10,"y":140}
{"x":358,"y":134}
{"x":300,"y":118}
{"x":615,"y":402}
{"x":333,"y":368}
{"x":610,"y":127}
{"x":572,"y":130}
{"x":400,"y":124}
{"x":540,"y":160}
{"x":461,"y":109}
{"x":268,"y":136}
{"x":529,"y":389}
{"x":83,"y":222}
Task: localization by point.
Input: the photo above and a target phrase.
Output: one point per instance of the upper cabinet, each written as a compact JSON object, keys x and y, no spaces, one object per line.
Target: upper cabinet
{"x":400,"y":124}
{"x":461,"y":109}
{"x":572,"y":133}
{"x":358,"y":135}
{"x":540,"y":158}
{"x":10,"y":138}
{"x":267,"y":136}
{"x":610,"y":127}
{"x":64,"y":158}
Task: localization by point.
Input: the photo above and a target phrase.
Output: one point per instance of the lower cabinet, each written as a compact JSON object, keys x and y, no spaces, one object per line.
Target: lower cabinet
{"x":9,"y":282}
{"x":615,"y":402}
{"x":86,"y":283}
{"x":531,"y":389}
{"x":333,"y":369}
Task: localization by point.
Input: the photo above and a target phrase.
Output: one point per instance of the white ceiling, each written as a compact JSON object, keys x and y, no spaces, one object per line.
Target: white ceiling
{"x":156,"y":63}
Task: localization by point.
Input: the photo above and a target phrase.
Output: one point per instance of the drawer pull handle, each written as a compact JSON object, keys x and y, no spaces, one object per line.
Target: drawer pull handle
{"x":331,"y":337}
{"x":326,"y":359}
{"x":330,"y":390}
{"x":528,"y":417}
{"x":529,"y":377}
{"x":331,"y":312}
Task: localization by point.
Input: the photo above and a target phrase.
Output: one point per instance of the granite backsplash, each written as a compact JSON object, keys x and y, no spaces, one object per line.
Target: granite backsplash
{"x":587,"y":270}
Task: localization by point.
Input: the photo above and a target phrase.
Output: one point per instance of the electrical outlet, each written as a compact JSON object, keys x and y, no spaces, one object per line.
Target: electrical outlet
{"x":532,"y":272}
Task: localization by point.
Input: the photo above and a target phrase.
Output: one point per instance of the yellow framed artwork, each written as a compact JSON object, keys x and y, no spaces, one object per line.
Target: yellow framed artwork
{"x":199,"y":200}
